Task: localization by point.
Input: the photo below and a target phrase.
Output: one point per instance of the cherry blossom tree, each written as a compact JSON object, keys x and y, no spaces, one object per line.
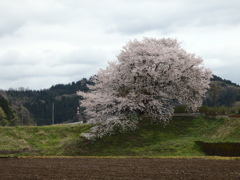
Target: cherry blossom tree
{"x":148,"y":79}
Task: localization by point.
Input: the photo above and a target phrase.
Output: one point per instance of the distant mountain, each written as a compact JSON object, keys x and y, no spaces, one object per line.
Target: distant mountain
{"x":224,"y":81}
{"x":31,"y":107}
{"x":222,"y":92}
{"x":39,"y":104}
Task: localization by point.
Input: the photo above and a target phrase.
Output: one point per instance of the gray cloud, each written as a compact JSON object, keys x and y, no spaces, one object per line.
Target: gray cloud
{"x":49,"y":42}
{"x":168,"y":16}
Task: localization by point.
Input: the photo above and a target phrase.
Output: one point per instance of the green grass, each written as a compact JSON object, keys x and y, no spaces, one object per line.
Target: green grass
{"x":175,"y":139}
{"x":49,"y":139}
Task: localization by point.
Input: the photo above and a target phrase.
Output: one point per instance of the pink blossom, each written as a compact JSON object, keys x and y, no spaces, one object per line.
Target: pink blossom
{"x":148,"y":79}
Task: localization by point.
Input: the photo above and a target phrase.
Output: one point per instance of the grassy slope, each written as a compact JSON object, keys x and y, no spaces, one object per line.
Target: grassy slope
{"x":175,"y":139}
{"x":49,"y":139}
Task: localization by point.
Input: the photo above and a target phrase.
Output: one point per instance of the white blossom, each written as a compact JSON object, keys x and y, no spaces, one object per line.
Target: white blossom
{"x":148,"y":79}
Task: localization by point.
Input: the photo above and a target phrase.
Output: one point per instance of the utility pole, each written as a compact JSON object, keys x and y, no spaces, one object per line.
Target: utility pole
{"x":21,"y":112}
{"x":52,"y":113}
{"x":78,"y":114}
{"x":22,"y":117}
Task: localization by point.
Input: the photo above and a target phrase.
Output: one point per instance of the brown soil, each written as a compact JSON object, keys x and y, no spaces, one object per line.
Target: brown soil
{"x":118,"y":168}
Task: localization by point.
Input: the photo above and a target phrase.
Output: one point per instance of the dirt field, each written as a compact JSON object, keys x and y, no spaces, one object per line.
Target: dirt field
{"x":124,"y":168}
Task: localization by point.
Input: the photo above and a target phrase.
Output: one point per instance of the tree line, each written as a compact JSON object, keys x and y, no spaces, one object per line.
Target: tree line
{"x":222,"y":93}
{"x":23,"y":106}
{"x":34,"y":107}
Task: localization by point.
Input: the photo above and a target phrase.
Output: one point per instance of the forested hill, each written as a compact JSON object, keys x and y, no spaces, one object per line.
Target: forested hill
{"x":224,"y":81}
{"x":222,"y":92}
{"x":30,"y":107}
{"x":35,"y":106}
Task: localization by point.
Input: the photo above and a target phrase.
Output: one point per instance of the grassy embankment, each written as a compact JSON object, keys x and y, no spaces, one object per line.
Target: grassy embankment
{"x":175,"y":139}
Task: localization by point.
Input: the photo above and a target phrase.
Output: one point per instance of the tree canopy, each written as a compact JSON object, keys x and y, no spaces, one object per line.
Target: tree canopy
{"x":149,"y":78}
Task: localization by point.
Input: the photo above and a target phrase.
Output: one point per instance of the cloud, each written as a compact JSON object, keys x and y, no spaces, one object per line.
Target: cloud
{"x":171,"y":15}
{"x":49,"y":42}
{"x":75,"y":65}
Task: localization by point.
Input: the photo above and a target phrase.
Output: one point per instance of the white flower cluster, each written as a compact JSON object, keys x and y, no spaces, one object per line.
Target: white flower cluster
{"x":149,"y":77}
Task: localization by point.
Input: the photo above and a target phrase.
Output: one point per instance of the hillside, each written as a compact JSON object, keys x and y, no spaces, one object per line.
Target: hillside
{"x":31,"y":107}
{"x":175,"y":139}
{"x":222,"y":92}
{"x":35,"y":107}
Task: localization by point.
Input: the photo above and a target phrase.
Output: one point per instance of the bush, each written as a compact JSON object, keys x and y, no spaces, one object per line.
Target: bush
{"x":180,"y":109}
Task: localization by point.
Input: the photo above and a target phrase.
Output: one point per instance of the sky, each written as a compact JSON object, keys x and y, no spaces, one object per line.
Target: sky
{"x":49,"y":42}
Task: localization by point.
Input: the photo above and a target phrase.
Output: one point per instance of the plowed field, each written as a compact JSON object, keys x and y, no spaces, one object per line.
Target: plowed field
{"x":118,"y":168}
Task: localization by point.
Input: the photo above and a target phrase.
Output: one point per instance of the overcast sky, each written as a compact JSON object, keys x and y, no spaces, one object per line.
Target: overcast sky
{"x":49,"y":42}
